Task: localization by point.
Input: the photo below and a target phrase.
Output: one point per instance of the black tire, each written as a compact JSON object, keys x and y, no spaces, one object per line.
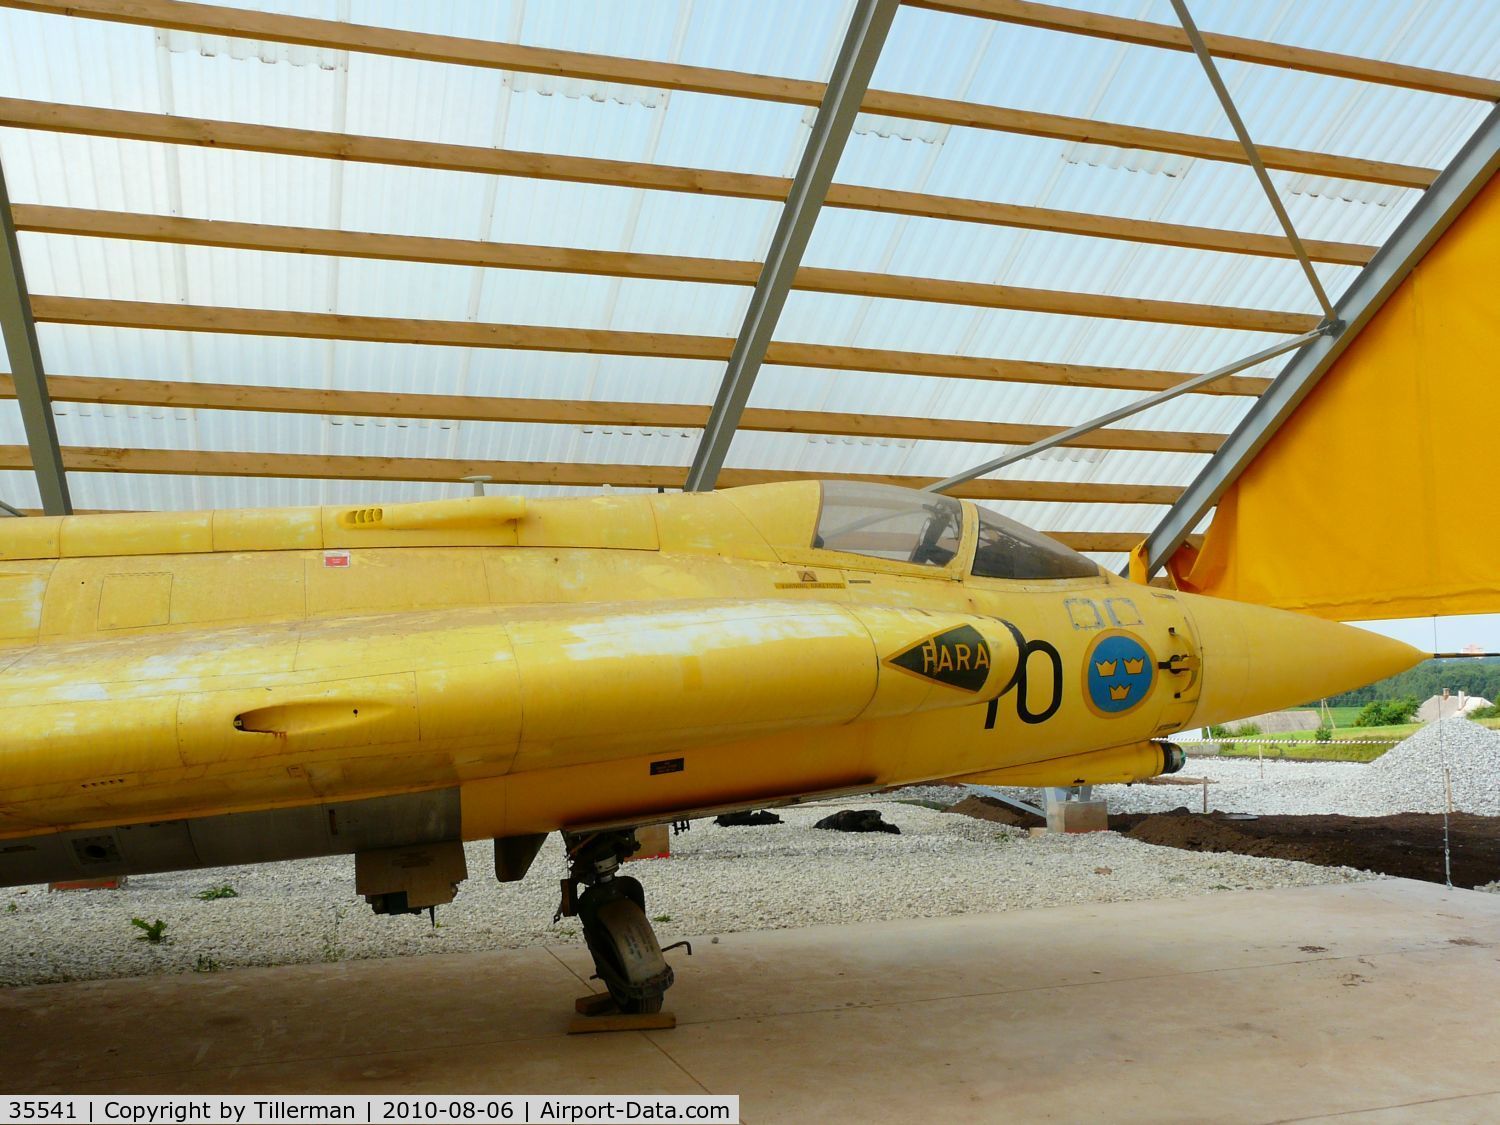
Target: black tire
{"x":624,"y":946}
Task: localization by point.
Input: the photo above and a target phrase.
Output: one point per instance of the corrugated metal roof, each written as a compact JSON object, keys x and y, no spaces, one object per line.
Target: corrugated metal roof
{"x":94,"y":63}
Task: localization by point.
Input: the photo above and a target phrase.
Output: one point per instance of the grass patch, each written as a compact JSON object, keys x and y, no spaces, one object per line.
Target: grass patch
{"x":1343,"y":716}
{"x":1300,"y":744}
{"x":1391,"y":734}
{"x":1308,"y":751}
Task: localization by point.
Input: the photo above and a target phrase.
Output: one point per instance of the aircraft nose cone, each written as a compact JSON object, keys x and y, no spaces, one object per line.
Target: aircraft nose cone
{"x":1257,"y":659}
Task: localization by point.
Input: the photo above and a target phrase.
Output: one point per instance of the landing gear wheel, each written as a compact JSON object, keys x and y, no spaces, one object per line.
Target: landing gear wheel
{"x":626,"y":953}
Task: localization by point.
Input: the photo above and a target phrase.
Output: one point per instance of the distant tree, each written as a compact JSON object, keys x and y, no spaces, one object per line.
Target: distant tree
{"x":1479,"y":677}
{"x":1387,"y":713}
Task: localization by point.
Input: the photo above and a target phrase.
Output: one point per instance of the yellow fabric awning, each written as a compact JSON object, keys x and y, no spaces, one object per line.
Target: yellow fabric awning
{"x":1376,"y":499}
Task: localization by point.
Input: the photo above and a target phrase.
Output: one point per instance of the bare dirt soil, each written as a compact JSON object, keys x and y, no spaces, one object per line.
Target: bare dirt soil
{"x":1409,"y":845}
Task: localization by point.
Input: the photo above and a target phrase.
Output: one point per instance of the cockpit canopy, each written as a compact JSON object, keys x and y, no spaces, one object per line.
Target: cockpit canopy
{"x":925,"y":528}
{"x":889,"y":523}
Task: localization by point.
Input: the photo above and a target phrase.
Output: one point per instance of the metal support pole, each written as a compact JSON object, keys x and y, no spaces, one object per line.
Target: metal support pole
{"x":1197,"y":382}
{"x":1440,"y":204}
{"x":1212,"y":70}
{"x":830,"y":131}
{"x":26,"y":368}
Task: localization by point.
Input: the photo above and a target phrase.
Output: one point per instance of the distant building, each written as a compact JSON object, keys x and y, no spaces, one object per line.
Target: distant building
{"x":1445,"y":706}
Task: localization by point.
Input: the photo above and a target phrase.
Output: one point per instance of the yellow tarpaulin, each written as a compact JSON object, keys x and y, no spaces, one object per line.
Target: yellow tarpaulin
{"x":1377,"y":497}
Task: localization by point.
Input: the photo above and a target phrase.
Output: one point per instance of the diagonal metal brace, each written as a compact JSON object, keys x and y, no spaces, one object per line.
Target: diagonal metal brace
{"x":863,"y":41}
{"x":26,"y":368}
{"x":1252,"y":154}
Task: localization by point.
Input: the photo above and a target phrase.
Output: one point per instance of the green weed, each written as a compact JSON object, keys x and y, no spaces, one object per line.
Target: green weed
{"x":153,"y":932}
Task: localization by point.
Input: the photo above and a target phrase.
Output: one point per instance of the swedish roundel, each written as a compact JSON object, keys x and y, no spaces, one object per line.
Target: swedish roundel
{"x":958,"y":657}
{"x":1118,"y":673}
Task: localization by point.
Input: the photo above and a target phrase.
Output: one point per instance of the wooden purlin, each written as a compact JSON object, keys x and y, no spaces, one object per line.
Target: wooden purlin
{"x":22,"y":113}
{"x":319,"y":466}
{"x":401,"y":330}
{"x":613,"y":263}
{"x":166,"y":129}
{"x":81,"y":222}
{"x":337,"y":35}
{"x":830,"y":357}
{"x":1122,"y":29}
{"x":177,"y":395}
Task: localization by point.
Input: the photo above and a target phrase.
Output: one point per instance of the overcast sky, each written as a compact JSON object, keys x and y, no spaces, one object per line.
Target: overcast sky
{"x":1453,"y":633}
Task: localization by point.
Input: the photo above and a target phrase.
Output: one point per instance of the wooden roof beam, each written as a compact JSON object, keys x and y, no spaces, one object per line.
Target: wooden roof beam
{"x":81,"y":222}
{"x":851,"y":197}
{"x":1172,"y":37}
{"x":452,"y":251}
{"x":321,"y":466}
{"x":21,"y":113}
{"x":337,"y":35}
{"x":170,"y":395}
{"x":334,"y":326}
{"x":594,"y":341}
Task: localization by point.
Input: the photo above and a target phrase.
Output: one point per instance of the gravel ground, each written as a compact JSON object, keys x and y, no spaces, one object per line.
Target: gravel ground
{"x":1236,"y":785}
{"x":1407,"y":778}
{"x":719,"y":880}
{"x":1412,"y":773}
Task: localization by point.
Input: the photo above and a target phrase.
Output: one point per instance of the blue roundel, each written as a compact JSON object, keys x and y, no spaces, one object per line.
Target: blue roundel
{"x":1119,"y":674}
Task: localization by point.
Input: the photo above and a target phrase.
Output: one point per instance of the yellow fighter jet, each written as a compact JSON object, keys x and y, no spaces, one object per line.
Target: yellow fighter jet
{"x":198,"y":689}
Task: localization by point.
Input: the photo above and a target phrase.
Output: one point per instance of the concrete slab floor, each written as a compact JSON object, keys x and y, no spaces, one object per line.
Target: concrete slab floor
{"x":1369,"y":1003}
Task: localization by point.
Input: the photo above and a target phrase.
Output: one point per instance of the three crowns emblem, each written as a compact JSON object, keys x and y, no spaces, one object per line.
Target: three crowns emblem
{"x":1121,"y":683}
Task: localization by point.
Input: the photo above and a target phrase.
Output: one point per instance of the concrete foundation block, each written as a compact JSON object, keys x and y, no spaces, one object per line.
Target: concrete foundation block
{"x":1078,"y":816}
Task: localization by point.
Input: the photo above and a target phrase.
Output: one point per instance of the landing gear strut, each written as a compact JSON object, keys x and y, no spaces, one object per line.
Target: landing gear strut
{"x":612,"y":908}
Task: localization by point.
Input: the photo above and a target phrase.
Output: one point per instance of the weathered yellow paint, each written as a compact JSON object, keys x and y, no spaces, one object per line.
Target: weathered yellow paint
{"x":22,"y":586}
{"x":1112,"y":765}
{"x":136,"y":533}
{"x":547,"y":677}
{"x":31,"y":538}
{"x":620,"y":522}
{"x":268,"y":529}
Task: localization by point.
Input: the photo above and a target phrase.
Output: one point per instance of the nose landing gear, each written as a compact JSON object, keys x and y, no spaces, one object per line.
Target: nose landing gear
{"x":612,"y":909}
